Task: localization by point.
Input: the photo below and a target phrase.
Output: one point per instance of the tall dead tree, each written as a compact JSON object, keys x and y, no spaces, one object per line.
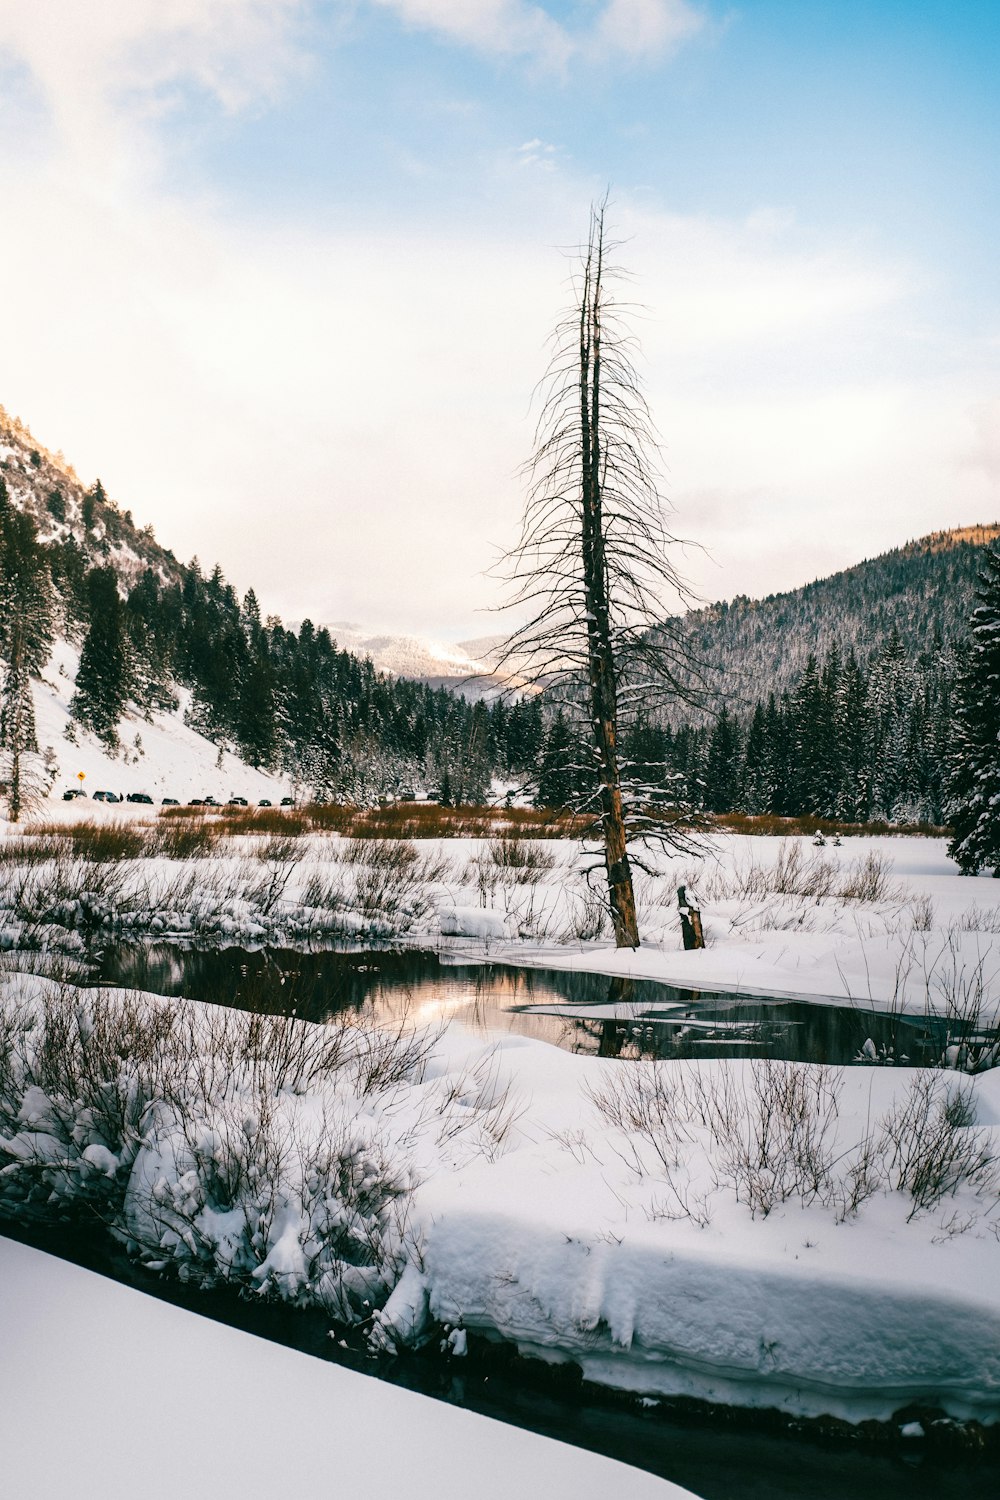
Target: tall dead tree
{"x":594,"y":567}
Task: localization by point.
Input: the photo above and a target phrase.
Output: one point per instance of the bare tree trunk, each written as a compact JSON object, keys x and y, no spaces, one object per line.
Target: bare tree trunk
{"x":602,"y":677}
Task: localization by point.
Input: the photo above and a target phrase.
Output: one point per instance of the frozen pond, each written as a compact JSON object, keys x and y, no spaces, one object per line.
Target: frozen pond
{"x":584,"y":1013}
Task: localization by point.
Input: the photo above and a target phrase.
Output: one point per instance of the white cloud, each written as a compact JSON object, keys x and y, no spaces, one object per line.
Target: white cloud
{"x":984,"y":447}
{"x":507,"y":27}
{"x":635,"y":28}
{"x":646,"y":28}
{"x":105,"y":69}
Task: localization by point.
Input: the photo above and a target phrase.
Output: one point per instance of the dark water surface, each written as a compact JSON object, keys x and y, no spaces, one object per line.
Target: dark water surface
{"x":585,"y":1013}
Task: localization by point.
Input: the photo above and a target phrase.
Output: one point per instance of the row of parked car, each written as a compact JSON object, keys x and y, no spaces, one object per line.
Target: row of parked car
{"x":72,"y":792}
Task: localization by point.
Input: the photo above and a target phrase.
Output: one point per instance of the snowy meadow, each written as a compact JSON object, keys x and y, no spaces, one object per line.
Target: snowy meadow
{"x":736,"y":1227}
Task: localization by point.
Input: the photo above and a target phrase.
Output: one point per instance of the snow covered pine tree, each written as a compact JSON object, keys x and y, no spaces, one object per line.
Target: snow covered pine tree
{"x":975,"y":757}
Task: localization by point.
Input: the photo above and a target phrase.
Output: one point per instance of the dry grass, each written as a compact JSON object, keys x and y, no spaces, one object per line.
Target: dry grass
{"x":98,"y":843}
{"x":428,"y":820}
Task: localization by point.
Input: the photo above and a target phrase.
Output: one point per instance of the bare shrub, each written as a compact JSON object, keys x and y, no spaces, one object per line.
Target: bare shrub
{"x":648,"y":1105}
{"x":922,"y":912}
{"x":529,"y":859}
{"x":588,"y":918}
{"x":980,"y":919}
{"x":793,"y":873}
{"x":776,"y":1139}
{"x":931,"y":1146}
{"x":391,"y":878}
{"x":651,"y":1112}
{"x":280,"y":822}
{"x":429,"y":820}
{"x":869,"y":879}
{"x":195,"y":1107}
{"x":794,"y":876}
{"x":961,"y":989}
{"x":323,"y":890}
{"x":184,"y":838}
{"x":99,"y":843}
{"x":384,"y":1058}
{"x":479,"y":1100}
{"x":69,"y":891}
{"x":21,"y":847}
{"x":263,"y":876}
{"x":770,"y":1133}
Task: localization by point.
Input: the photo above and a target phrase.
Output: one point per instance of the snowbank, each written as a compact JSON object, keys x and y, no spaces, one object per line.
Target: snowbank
{"x":106,"y":1394}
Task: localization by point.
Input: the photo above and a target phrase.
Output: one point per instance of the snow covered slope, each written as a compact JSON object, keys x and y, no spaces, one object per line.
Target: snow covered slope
{"x":107,"y":1394}
{"x":162,"y":756}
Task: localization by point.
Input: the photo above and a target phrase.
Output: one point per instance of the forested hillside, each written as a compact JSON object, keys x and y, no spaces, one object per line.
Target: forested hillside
{"x":920,"y":593}
{"x":152,"y":631}
{"x":832,"y":699}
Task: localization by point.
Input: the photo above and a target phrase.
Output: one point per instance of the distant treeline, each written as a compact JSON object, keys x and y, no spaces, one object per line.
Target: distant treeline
{"x":845,"y":742}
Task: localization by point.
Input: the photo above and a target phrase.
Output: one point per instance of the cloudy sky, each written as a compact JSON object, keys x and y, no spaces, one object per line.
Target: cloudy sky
{"x":281,"y":272}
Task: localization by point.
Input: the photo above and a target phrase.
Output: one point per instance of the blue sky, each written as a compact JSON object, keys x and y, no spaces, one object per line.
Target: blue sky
{"x":285,"y":271}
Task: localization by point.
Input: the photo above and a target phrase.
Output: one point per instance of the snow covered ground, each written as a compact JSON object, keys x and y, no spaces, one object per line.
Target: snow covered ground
{"x":782,"y":1235}
{"x":887,"y":922}
{"x":107,"y":1394}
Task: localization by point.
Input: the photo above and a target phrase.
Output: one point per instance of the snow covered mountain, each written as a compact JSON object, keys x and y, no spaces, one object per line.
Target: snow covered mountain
{"x":214,"y":701}
{"x":468,"y":668}
{"x":47,"y":487}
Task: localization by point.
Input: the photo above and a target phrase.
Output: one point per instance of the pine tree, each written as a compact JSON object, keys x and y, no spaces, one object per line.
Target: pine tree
{"x":722,"y":767}
{"x":102,"y":682}
{"x":557,"y":776}
{"x":25,"y":641}
{"x":975,"y":759}
{"x":756,"y":785}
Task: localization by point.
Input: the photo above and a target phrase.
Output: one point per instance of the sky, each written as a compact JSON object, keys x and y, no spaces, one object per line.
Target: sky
{"x":282,"y":272}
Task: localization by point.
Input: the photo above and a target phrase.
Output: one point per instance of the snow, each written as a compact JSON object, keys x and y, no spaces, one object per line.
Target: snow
{"x":162,"y":756}
{"x":106,"y":1393}
{"x":640,"y":1254}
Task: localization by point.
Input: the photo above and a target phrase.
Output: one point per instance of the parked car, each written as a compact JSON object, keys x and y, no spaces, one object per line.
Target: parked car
{"x":212,"y":802}
{"x":264,"y":802}
{"x":197,"y":802}
{"x":170,"y":802}
{"x":288,"y":801}
{"x":73,"y":792}
{"x":106,"y":797}
{"x":237,"y":802}
{"x":143,"y":797}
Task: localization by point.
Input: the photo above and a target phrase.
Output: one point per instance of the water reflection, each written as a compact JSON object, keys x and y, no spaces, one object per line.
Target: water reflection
{"x":584,"y":1013}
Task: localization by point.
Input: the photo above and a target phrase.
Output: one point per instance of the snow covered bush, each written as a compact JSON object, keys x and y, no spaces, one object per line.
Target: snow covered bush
{"x":262,"y":1150}
{"x":930,"y":1145}
{"x":769,"y":1133}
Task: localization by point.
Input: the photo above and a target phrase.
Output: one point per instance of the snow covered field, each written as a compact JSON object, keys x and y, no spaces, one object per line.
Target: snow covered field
{"x":886,"y":921}
{"x":150,"y":1400}
{"x":764,"y":1234}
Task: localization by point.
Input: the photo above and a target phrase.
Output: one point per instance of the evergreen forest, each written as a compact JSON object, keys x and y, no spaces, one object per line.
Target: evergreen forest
{"x":835,"y":699}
